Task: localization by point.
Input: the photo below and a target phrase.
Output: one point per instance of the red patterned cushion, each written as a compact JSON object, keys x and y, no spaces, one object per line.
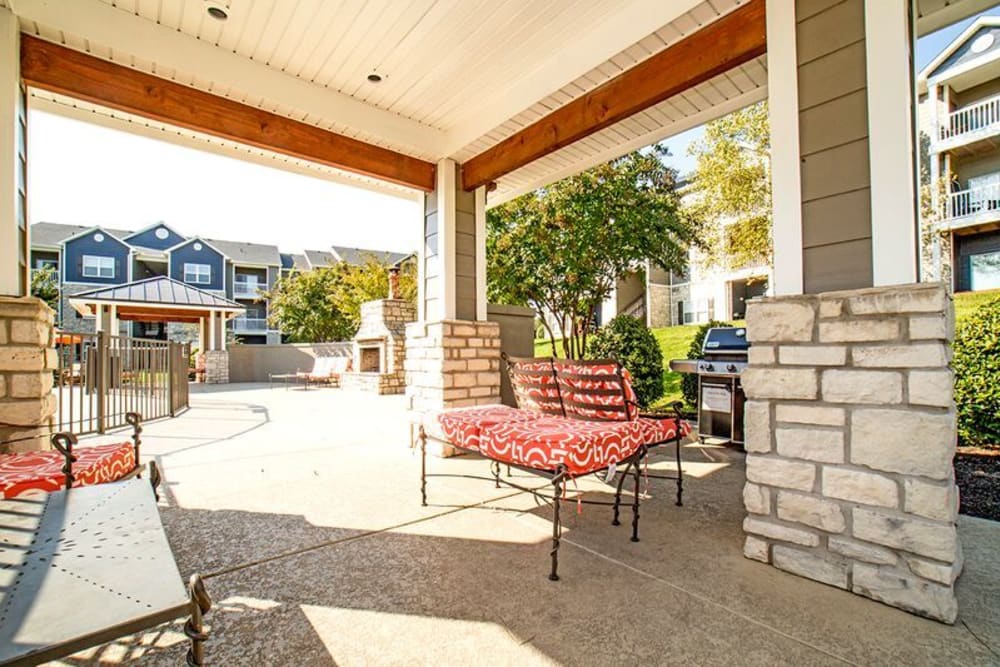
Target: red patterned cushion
{"x":534,"y":384}
{"x":595,"y":391}
{"x":43,"y":470}
{"x":655,"y":431}
{"x":547,"y":442}
{"x":461,"y":426}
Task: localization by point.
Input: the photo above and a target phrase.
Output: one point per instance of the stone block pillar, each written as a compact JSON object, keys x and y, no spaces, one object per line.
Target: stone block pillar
{"x":27,"y":362}
{"x":452,"y":352}
{"x":217,"y":367}
{"x":850,"y":434}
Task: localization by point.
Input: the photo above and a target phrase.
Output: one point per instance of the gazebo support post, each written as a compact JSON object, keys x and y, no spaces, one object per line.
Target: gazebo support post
{"x":452,"y":352}
{"x":216,"y":356}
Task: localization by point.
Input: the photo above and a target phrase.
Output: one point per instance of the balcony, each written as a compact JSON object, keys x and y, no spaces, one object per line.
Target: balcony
{"x":247,"y":289}
{"x":973,"y":206}
{"x":250,"y":324}
{"x":970,"y":126}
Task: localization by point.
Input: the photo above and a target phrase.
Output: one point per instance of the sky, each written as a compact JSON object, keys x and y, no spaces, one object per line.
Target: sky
{"x":86,"y":174}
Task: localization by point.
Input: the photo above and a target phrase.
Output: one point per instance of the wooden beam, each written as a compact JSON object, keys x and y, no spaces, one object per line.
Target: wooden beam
{"x":67,"y":72}
{"x":734,"y":39}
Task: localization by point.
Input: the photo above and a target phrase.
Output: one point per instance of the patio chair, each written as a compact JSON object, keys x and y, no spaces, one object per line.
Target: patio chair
{"x":326,"y":370}
{"x":68,"y":466}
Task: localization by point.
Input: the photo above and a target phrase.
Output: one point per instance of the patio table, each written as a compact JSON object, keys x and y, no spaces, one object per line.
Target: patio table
{"x":82,"y":567}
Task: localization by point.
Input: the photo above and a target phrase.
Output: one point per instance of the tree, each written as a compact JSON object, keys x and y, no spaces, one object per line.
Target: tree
{"x":733,"y":183}
{"x":561,"y":249}
{"x":369,"y":281}
{"x":45,"y":286}
{"x":302,"y":306}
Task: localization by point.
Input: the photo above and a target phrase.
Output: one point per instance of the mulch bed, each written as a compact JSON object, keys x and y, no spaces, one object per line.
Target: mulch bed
{"x":978,"y":475}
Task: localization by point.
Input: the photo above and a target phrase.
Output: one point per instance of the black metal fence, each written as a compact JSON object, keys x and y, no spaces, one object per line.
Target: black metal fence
{"x":101,"y":377}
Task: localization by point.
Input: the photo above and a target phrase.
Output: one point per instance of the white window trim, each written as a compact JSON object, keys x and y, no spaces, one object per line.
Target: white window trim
{"x":196,"y":273}
{"x":100,"y":262}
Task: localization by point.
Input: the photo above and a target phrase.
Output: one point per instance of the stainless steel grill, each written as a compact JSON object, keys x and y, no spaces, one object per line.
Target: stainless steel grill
{"x":720,"y":394}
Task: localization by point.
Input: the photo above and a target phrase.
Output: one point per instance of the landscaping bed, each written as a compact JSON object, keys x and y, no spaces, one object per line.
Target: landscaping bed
{"x":977,"y":472}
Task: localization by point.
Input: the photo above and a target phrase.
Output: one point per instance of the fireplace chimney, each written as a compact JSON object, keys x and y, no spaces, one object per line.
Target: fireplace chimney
{"x":394,"y":282}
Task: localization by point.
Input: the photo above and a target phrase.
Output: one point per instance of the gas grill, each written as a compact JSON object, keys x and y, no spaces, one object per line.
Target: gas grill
{"x":720,"y":394}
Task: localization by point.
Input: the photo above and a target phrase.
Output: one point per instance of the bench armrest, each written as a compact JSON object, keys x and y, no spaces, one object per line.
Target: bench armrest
{"x":64,"y":442}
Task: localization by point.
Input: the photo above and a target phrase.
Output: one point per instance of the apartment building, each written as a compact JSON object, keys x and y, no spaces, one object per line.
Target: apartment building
{"x":86,"y":258}
{"x":959,"y":120}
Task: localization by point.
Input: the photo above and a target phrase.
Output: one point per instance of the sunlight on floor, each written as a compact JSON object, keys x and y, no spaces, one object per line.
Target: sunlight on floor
{"x":443,"y":641}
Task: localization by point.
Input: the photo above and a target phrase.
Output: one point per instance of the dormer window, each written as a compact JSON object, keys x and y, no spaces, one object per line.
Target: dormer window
{"x":197,"y":274}
{"x":95,"y":266}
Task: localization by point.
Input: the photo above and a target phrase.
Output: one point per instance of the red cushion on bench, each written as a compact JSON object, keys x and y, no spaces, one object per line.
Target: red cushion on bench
{"x":596,"y":391}
{"x":534,"y":383}
{"x":42,"y":471}
{"x":547,"y":442}
{"x":655,"y":431}
{"x":462,"y":426}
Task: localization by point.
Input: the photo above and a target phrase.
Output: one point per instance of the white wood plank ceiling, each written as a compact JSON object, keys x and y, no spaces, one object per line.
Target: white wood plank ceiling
{"x":458,"y":75}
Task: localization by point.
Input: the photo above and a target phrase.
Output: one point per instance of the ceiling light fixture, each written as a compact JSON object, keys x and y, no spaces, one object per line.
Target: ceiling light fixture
{"x":218,"y":12}
{"x":375,"y":77}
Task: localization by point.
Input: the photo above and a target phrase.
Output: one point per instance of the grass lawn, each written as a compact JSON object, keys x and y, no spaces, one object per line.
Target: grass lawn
{"x":674,"y":342}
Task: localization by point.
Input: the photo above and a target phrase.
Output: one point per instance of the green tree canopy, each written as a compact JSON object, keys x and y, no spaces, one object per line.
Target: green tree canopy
{"x":324,"y":304}
{"x":733,"y":183}
{"x":45,"y":286}
{"x":561,"y":249}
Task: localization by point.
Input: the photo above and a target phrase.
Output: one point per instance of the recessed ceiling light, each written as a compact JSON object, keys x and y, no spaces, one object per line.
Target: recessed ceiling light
{"x":375,"y":78}
{"x":218,"y":13}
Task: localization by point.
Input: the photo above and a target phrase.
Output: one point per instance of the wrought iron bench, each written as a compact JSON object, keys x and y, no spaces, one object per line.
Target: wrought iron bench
{"x":68,"y":466}
{"x":574,"y":418}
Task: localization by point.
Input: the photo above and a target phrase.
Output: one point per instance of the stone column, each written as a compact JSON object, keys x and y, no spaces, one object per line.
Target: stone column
{"x":850,"y":435}
{"x":217,"y":367}
{"x":27,"y":361}
{"x":452,"y":353}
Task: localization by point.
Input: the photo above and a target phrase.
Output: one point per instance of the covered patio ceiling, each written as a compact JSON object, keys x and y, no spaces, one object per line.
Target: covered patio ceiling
{"x":459,"y":80}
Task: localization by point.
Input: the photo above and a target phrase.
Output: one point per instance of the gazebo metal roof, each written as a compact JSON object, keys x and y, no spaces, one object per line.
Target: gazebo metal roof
{"x":157,"y":299}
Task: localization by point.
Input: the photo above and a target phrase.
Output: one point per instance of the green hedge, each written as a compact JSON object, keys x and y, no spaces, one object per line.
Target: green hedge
{"x":977,"y":376}
{"x":627,"y":339}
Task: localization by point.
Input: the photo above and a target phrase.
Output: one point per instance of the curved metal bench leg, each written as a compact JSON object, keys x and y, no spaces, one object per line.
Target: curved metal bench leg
{"x":495,"y":469}
{"x":637,"y":476}
{"x":618,"y":494}
{"x":680,"y":474}
{"x":558,"y":482}
{"x":194,"y":627}
{"x":422,"y":436}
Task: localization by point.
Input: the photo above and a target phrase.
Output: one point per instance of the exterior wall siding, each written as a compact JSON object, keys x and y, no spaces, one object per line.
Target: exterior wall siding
{"x":149,"y":239}
{"x":187,"y":253}
{"x":833,"y":132}
{"x":75,"y":249}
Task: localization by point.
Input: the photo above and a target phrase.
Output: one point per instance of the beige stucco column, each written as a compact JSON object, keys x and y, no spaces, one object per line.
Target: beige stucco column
{"x":850,"y":419}
{"x":452,"y":352}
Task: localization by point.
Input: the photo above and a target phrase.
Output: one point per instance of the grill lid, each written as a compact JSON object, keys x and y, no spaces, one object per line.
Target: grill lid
{"x":725,"y":340}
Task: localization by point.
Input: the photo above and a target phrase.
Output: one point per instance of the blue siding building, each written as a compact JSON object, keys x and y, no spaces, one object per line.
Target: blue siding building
{"x":96,"y":257}
{"x":198,"y":263}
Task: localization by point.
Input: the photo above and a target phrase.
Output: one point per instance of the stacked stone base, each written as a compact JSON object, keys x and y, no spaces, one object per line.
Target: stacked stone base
{"x":217,"y":367}
{"x":27,"y":364}
{"x":850,"y":434}
{"x":374,"y":383}
{"x":451,"y":364}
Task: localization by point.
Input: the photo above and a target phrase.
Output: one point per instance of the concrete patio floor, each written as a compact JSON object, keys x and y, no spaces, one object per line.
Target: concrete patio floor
{"x":302,"y":509}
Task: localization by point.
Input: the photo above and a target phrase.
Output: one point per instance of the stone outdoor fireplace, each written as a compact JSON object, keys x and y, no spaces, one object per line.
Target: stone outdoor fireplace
{"x":380,"y":344}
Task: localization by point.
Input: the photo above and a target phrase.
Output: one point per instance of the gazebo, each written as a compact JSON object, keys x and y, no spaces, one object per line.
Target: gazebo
{"x":162,"y":299}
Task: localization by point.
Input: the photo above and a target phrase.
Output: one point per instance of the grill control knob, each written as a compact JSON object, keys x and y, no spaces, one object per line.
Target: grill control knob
{"x":708,"y":367}
{"x":731,"y":368}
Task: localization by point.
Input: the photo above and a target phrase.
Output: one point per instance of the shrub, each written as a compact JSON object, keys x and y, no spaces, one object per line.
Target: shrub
{"x":689,"y":381}
{"x":627,"y":339}
{"x":977,"y":376}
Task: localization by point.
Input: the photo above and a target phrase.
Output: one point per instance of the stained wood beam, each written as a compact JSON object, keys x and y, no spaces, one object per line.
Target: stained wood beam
{"x":67,"y":72}
{"x":734,"y":39}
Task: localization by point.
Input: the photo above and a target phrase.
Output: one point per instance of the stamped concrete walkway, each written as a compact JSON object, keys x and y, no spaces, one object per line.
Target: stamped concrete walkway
{"x":302,"y":509}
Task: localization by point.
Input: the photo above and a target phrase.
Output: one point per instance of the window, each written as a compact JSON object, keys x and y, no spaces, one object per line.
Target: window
{"x":199,"y":274}
{"x":46,"y":264}
{"x":984,"y":270}
{"x":95,"y":266}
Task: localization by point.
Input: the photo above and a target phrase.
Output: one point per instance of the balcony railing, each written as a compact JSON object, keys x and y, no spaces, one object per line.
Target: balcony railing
{"x":978,"y":117}
{"x":974,"y":201}
{"x":247,"y":289}
{"x":249,"y":324}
